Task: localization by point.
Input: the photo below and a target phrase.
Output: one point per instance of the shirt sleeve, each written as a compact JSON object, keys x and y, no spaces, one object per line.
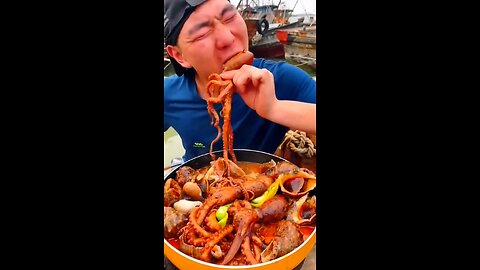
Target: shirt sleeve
{"x":291,"y":82}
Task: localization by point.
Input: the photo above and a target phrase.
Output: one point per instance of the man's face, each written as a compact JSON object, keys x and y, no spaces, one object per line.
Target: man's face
{"x":212,"y":34}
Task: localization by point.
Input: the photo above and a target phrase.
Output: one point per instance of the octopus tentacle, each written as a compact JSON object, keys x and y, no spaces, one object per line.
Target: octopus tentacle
{"x":213,"y":114}
{"x":196,"y":225}
{"x":246,"y":249}
{"x":206,"y":255}
{"x":221,"y":91}
{"x":213,"y":142}
{"x":256,"y":240}
{"x":257,"y":251}
{"x":227,"y":128}
{"x":230,"y":149}
{"x":215,"y":76}
{"x":202,"y":211}
{"x":243,"y":221}
{"x":190,"y":238}
{"x":215,"y":122}
{"x":218,"y":80}
{"x":246,"y":195}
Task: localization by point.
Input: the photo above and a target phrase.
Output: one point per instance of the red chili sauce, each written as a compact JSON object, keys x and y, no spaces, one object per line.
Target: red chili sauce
{"x":306,"y":230}
{"x":174,"y":242}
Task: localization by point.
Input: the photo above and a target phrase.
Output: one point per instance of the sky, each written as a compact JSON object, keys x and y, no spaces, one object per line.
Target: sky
{"x":302,"y":6}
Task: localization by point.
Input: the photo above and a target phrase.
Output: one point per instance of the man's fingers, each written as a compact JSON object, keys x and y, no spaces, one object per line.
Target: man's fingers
{"x":228,"y":75}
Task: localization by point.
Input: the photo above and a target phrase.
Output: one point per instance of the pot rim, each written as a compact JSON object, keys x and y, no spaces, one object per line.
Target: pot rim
{"x":221,"y":151}
{"x":218,"y":266}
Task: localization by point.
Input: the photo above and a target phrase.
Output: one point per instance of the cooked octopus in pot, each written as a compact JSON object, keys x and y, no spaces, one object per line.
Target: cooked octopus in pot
{"x":245,"y":213}
{"x":237,"y":213}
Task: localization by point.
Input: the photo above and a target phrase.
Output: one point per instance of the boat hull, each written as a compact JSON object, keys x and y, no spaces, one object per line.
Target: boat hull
{"x":271,"y":50}
{"x":268,"y":46}
{"x":300,"y":45}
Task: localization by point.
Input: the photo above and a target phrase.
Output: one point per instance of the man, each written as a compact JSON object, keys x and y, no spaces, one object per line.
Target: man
{"x":270,"y":98}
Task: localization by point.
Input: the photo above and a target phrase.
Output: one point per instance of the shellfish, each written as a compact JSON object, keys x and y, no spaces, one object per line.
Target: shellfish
{"x":303,"y":211}
{"x":186,"y":206}
{"x":297,"y":184}
{"x":193,"y":190}
{"x":172,"y":192}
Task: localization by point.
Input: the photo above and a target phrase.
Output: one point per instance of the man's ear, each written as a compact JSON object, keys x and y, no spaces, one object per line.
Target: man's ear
{"x":174,"y":52}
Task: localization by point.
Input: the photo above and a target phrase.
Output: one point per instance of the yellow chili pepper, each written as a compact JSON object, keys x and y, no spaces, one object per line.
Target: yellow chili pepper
{"x":271,"y":191}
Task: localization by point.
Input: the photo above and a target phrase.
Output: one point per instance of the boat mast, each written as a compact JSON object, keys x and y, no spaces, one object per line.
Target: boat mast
{"x":238,"y":5}
{"x":294,"y":6}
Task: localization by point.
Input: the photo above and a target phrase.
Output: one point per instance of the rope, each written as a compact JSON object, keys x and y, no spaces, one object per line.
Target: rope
{"x":299,"y":143}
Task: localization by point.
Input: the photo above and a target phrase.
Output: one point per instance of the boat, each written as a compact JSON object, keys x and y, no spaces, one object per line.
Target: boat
{"x":300,"y":44}
{"x":262,"y":21}
{"x":307,"y":18}
{"x":268,"y":45}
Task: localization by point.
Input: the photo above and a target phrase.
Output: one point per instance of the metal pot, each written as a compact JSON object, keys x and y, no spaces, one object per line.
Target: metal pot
{"x":288,"y":261}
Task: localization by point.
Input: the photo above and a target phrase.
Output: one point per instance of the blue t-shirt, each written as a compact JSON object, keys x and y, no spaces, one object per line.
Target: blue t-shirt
{"x":187,"y":113}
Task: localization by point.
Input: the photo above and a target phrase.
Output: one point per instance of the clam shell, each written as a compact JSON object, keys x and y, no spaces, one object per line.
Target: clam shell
{"x":304,"y":210}
{"x":193,"y":191}
{"x":186,"y":206}
{"x":210,"y":176}
{"x":190,"y":250}
{"x":221,"y":168}
{"x":297,"y":184}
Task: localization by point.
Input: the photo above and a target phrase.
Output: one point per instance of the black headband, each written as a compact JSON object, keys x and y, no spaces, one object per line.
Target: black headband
{"x":176,"y":12}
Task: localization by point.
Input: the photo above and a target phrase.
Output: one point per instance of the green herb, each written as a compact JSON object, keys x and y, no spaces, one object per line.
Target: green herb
{"x":222,"y":215}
